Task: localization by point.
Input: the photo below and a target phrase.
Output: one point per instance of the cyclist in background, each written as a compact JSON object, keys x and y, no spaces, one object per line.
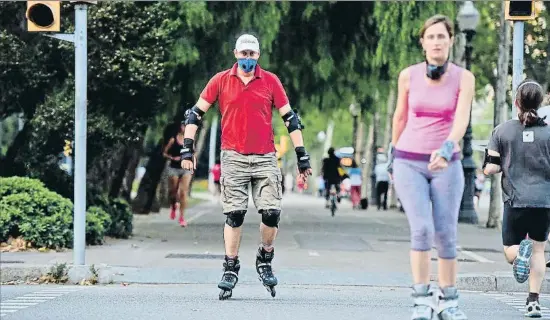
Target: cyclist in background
{"x":331,"y":175}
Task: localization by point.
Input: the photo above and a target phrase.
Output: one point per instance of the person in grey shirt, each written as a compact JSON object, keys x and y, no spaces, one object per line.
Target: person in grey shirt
{"x":382,"y":182}
{"x":520,"y":148}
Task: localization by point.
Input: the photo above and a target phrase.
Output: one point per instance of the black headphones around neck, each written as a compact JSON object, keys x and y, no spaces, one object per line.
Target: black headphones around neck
{"x":435,"y":72}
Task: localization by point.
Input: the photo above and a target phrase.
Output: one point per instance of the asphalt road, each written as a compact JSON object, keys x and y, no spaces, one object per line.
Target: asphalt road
{"x":166,"y":302}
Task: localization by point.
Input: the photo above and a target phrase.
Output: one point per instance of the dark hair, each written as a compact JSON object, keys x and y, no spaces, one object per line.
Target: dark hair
{"x":529,"y":97}
{"x":331,"y":151}
{"x":435,"y":20}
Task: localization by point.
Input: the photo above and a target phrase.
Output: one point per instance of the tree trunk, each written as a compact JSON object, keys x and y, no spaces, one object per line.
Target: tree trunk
{"x":149,"y":183}
{"x":500,"y":115}
{"x":366,"y":169}
{"x":360,"y":143}
{"x":163,"y":193}
{"x":120,"y":173}
{"x":389,"y":117}
{"x":392,"y":196}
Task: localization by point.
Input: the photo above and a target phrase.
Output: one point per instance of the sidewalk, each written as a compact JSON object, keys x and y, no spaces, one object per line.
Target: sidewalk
{"x":353,"y":248}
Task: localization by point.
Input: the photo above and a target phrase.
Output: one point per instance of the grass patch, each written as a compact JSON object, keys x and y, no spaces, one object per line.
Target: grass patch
{"x":200,"y":185}
{"x":57,"y":274}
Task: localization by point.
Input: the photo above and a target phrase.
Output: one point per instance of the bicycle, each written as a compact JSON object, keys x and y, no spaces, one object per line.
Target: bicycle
{"x":333,"y":199}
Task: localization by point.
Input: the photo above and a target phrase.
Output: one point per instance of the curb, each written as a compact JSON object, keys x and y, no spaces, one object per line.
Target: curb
{"x":75,"y":274}
{"x":499,"y":282}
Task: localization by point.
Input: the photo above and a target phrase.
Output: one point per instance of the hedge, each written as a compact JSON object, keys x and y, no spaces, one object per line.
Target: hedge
{"x":45,"y":219}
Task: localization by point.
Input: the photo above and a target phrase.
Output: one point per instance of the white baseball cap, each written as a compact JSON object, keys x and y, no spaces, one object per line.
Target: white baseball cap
{"x":247,"y":42}
{"x":544,"y":111}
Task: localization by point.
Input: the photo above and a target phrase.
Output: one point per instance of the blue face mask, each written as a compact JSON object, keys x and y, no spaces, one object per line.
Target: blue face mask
{"x":247,"y":64}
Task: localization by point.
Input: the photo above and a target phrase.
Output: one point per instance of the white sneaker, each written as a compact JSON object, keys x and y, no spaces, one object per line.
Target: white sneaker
{"x":532,"y":309}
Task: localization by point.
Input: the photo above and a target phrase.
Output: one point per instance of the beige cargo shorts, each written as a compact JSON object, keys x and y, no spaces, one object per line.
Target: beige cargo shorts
{"x":261,"y":171}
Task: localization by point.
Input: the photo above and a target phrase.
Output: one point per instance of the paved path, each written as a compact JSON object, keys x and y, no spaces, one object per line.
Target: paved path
{"x":309,"y":237}
{"x":366,"y":247}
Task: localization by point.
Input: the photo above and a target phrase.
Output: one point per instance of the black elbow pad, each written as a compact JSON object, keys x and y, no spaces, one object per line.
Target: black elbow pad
{"x":194,"y":116}
{"x":292,"y":121}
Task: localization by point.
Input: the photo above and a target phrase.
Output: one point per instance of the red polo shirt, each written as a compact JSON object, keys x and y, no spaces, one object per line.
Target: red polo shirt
{"x":246,"y":110}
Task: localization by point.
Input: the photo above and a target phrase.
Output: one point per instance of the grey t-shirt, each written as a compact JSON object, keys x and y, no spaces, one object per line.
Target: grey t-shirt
{"x":525,"y":163}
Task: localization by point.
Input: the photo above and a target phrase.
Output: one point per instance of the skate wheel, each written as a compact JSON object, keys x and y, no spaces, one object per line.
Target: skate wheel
{"x":272,"y":291}
{"x":224,"y":295}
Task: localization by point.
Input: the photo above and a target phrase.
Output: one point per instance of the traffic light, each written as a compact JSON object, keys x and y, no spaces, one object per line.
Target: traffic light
{"x":520,"y":10}
{"x":67,"y":149}
{"x":43,"y":16}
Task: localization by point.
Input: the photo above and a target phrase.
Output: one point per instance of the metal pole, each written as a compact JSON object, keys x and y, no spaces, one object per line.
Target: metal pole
{"x":374,"y":160}
{"x":467,"y":212}
{"x":81,"y":61}
{"x":212,"y":151}
{"x":517,"y":67}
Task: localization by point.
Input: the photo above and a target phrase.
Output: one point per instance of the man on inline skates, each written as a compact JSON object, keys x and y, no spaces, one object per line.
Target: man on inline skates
{"x":246,"y":95}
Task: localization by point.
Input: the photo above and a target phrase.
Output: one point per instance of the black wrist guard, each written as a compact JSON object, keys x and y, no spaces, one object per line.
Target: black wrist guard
{"x":188,"y":150}
{"x":303,"y":159}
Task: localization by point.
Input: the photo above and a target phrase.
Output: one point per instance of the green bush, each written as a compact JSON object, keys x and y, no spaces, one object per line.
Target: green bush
{"x":122,"y":218}
{"x":43,"y":218}
{"x":15,"y":185}
{"x":98,"y":223}
{"x":8,"y":217}
{"x":120,"y":212}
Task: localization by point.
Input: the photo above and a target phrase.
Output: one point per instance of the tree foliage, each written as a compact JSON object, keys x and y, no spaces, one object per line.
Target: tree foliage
{"x":148,"y":61}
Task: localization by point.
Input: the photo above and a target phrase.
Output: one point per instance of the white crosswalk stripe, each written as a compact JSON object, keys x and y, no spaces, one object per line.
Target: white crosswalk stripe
{"x":517,"y":301}
{"x":11,"y":306}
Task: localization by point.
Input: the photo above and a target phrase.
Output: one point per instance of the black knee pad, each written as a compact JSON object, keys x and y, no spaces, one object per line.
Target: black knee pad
{"x":235,"y":219}
{"x":271,"y":217}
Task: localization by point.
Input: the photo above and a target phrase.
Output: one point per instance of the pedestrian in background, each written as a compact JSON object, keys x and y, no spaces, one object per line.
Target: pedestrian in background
{"x":382,"y":178}
{"x":355,"y":181}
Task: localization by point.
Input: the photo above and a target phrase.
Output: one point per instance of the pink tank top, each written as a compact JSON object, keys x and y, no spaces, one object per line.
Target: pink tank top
{"x":431,"y":111}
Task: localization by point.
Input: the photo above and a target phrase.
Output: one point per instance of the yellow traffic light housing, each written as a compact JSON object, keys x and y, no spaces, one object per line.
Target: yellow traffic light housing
{"x":520,"y":10}
{"x":43,"y":16}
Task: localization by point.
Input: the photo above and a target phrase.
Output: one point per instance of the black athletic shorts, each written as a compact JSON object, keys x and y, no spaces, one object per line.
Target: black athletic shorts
{"x":517,"y":223}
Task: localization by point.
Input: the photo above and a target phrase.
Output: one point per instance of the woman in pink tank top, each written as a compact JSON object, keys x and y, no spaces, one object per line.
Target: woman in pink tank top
{"x":431,"y":116}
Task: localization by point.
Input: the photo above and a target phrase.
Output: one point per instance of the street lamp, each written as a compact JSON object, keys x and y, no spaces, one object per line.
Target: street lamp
{"x":321,"y":136}
{"x":468,"y":19}
{"x":354,"y":110}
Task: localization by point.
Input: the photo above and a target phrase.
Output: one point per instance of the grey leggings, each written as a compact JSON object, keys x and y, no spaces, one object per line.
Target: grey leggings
{"x":420,"y":191}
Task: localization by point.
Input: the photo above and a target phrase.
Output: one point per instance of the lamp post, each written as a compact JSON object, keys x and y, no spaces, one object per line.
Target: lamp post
{"x":354,"y":110}
{"x":468,"y":19}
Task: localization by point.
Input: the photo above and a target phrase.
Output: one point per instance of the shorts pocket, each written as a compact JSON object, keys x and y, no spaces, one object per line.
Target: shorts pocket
{"x":275,"y":182}
{"x":223,"y":192}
